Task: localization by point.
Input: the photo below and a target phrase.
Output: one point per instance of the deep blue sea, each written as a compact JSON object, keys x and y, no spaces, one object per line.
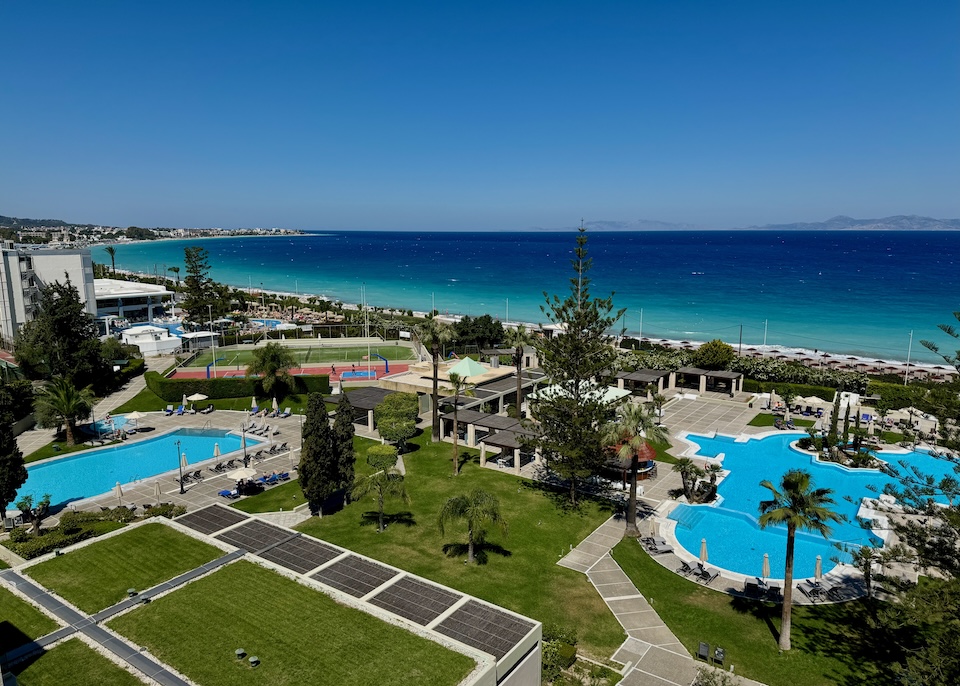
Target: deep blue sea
{"x":858,"y":293}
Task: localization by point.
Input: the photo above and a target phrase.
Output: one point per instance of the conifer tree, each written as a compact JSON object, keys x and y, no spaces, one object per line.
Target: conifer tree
{"x":317,"y":468}
{"x":13,"y":473}
{"x":343,"y":444}
{"x":572,"y":416}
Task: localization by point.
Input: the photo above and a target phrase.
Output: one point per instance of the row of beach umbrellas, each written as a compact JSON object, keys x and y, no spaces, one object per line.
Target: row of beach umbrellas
{"x":817,"y":571}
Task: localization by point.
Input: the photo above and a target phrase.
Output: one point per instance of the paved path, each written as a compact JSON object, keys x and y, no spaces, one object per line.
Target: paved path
{"x":89,"y":626}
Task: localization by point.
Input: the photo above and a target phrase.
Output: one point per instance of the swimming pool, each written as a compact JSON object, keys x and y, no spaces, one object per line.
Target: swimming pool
{"x":268,"y":323}
{"x":107,"y":425}
{"x":734,"y":539}
{"x":93,"y":472}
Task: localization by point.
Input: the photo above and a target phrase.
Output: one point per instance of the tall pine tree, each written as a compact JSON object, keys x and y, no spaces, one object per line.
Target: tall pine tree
{"x":572,"y":415}
{"x":318,"y":464}
{"x":343,"y":444}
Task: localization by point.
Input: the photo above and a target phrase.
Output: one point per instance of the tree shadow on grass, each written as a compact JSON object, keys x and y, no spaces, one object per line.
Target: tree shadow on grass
{"x":372,"y":518}
{"x":481,"y":551}
{"x":766,"y":612}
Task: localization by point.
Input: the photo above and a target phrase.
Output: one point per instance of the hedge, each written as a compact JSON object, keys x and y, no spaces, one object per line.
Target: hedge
{"x":173,"y":390}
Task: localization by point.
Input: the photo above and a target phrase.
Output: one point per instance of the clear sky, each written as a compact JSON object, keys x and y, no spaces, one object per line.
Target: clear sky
{"x":485,"y":115}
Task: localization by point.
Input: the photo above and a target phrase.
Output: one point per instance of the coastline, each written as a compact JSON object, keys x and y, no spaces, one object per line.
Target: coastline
{"x":787,"y":353}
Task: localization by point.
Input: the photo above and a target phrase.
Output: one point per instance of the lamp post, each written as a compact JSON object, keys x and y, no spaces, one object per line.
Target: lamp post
{"x":180,"y":467}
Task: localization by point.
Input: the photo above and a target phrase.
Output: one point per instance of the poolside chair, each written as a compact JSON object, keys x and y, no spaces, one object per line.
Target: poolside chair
{"x":707,"y":575}
{"x":229,"y":495}
{"x":283,"y":476}
{"x":254,"y":410}
{"x":685,"y":569}
{"x":719,"y":655}
{"x":207,"y":410}
{"x":197,"y":476}
{"x":253,"y":426}
{"x":809,"y":590}
{"x":273,"y":450}
{"x":275,"y":432}
{"x":807,"y":411}
{"x":752,"y":589}
{"x":660,"y":549}
{"x":283,"y":448}
{"x":286,"y":413}
{"x":703,"y":652}
{"x":180,"y":411}
{"x":230,"y":464}
{"x":168,"y":411}
{"x":654,"y":541}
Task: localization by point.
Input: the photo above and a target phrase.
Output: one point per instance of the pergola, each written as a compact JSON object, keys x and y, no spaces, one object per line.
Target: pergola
{"x":497,"y":390}
{"x":708,"y":379}
{"x":501,"y":432}
{"x":365,"y":400}
{"x":641,"y":379}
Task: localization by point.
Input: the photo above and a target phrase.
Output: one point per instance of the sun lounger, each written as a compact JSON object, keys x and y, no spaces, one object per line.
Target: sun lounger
{"x":180,"y":411}
{"x":197,"y":476}
{"x":707,"y":575}
{"x":686,"y":569}
{"x":273,"y":450}
{"x":654,"y":541}
{"x":254,"y":410}
{"x":283,"y":448}
{"x":253,"y":426}
{"x":169,"y":410}
{"x":229,"y":495}
{"x":809,"y":590}
{"x":719,"y":655}
{"x":284,"y":476}
{"x":703,"y":652}
{"x":286,"y":413}
{"x":275,"y":432}
{"x":752,"y":589}
{"x":660,"y":549}
{"x":807,"y":411}
{"x":207,"y":410}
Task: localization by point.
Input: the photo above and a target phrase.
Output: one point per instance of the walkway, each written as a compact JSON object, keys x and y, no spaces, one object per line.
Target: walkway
{"x":89,"y":625}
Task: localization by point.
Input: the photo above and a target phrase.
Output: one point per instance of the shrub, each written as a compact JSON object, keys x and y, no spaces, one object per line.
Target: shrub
{"x":19,"y":534}
{"x":167,"y":510}
{"x":173,"y":390}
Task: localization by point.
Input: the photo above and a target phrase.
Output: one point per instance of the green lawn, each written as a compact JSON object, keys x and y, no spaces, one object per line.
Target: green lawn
{"x":233,"y":357}
{"x":520,"y":571}
{"x":20,"y":622}
{"x":99,"y":575}
{"x":302,"y":636}
{"x":72,"y":662}
{"x":148,"y":401}
{"x":764,"y":419}
{"x":832,"y":644}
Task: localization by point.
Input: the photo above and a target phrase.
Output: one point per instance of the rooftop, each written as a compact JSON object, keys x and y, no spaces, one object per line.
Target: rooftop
{"x":114,"y":288}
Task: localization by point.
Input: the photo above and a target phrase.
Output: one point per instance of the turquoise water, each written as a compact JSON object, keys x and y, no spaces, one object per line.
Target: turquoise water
{"x":93,"y":472}
{"x":269,"y":323}
{"x":103,"y":425}
{"x":852,"y":292}
{"x":735,"y":540}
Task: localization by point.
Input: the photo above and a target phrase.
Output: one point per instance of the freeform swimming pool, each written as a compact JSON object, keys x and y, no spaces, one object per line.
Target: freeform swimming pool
{"x":734,"y":539}
{"x":93,"y":472}
{"x":112,"y":424}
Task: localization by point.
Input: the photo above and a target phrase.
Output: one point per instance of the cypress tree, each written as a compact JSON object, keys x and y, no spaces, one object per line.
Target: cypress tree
{"x":317,"y":459}
{"x":13,"y":473}
{"x":343,"y":445}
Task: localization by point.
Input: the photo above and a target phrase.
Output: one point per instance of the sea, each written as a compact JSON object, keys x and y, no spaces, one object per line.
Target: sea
{"x":868,"y":294}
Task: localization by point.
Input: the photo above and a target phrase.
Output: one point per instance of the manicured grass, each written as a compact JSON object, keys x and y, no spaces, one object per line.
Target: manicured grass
{"x":49,"y":450}
{"x":99,"y":575}
{"x":764,"y":419}
{"x":300,"y":635}
{"x":520,"y":571}
{"x":73,"y":662}
{"x":20,"y":622}
{"x":310,"y":356}
{"x":148,"y":401}
{"x":832,"y":644}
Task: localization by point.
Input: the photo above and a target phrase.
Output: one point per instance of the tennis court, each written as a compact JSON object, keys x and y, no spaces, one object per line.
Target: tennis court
{"x":312,"y":356}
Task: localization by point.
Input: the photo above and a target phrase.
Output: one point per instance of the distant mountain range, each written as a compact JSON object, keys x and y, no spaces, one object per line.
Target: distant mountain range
{"x":900,"y":222}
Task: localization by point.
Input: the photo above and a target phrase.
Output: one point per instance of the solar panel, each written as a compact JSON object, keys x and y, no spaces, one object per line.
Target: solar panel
{"x":254,"y":535}
{"x":212,"y":518}
{"x":301,"y":554}
{"x":484,"y":627}
{"x":418,"y":601}
{"x":355,"y":576}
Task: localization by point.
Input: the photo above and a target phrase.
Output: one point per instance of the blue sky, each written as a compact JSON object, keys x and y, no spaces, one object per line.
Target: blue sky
{"x":451,"y":115}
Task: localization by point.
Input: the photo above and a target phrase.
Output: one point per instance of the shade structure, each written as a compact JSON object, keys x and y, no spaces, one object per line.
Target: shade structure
{"x":216,"y":450}
{"x":156,"y":491}
{"x":653,"y":527}
{"x":118,"y":491}
{"x":253,"y":403}
{"x":818,"y":569}
{"x":766,"y":565}
{"x":468,"y":367}
{"x":183,"y":401}
{"x":703,"y":550}
{"x":242,"y":473}
{"x":275,"y":405}
{"x":135,"y":415}
{"x":183,"y":460}
{"x":196,"y":397}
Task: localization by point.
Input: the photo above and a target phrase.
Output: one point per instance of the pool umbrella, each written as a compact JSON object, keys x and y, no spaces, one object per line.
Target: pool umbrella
{"x":156,"y":491}
{"x":766,"y":565}
{"x":703,"y":550}
{"x":184,"y":400}
{"x":117,"y":491}
{"x":135,"y":416}
{"x":818,"y":569}
{"x":653,"y":527}
{"x":216,"y":450}
{"x":196,"y":397}
{"x":242,"y":473}
{"x":253,"y":403}
{"x":183,"y":460}
{"x":275,"y":405}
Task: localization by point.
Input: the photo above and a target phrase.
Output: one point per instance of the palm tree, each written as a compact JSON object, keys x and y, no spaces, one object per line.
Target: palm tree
{"x":518,"y":339}
{"x":274,"y":362}
{"x":477,"y":509}
{"x":799,"y":506}
{"x":112,"y":252}
{"x":434,"y":333}
{"x":384,"y":483}
{"x":460,"y":388}
{"x":689,"y":473}
{"x":176,"y":271}
{"x":62,"y":403}
{"x":628,"y":436}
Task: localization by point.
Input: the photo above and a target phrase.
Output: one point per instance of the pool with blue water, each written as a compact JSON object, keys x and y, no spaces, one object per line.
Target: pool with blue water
{"x":112,"y":424}
{"x":735,"y":540}
{"x":93,"y":472}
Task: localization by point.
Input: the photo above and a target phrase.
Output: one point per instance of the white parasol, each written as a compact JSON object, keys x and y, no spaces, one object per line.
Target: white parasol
{"x":703,"y":550}
{"x":118,"y":491}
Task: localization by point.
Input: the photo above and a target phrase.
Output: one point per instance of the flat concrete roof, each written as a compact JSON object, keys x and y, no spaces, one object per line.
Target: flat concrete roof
{"x":106,"y":289}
